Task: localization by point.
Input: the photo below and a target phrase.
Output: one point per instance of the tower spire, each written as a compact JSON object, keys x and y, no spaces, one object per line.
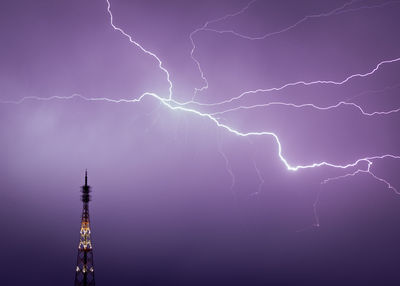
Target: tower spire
{"x":84,"y":275}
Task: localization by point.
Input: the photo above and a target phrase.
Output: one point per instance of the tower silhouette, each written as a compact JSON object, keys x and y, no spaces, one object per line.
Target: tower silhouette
{"x":84,"y":275}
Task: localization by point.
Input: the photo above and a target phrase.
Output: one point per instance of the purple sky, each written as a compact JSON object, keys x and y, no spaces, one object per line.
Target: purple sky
{"x":191,"y":189}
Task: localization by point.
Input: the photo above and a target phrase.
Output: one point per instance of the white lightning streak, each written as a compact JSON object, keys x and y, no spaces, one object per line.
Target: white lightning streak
{"x":228,"y":169}
{"x":176,"y":106}
{"x":336,"y":11}
{"x":330,"y":13}
{"x":206,"y":24}
{"x":310,"y":105}
{"x":244,"y":9}
{"x":226,"y":127}
{"x":160,"y":64}
{"x":304,"y":83}
{"x":366,"y":171}
{"x":260,"y":177}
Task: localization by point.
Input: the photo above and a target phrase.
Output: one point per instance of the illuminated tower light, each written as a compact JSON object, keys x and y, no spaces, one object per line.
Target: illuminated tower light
{"x":84,"y":275}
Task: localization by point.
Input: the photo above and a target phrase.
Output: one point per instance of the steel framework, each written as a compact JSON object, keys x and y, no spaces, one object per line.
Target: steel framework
{"x":84,"y":273}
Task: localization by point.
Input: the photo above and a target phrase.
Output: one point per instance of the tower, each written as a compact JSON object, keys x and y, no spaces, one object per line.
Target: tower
{"x":84,"y":275}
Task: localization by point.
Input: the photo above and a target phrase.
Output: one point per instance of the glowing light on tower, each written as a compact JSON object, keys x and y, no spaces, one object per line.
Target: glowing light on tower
{"x":84,"y":275}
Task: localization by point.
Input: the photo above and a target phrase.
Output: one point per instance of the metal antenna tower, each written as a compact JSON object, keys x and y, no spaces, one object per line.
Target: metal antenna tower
{"x":84,"y":275}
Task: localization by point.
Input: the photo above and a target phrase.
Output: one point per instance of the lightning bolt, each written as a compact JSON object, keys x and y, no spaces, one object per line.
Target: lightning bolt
{"x":332,"y":12}
{"x":260,"y":178}
{"x":303,"y":83}
{"x":129,"y":37}
{"x":309,"y":105}
{"x":336,"y":11}
{"x":187,"y":107}
{"x":366,"y":171}
{"x":228,"y":169}
{"x":204,"y":28}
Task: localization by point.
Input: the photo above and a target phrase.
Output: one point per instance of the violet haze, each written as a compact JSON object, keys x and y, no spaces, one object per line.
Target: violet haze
{"x":227,"y":142}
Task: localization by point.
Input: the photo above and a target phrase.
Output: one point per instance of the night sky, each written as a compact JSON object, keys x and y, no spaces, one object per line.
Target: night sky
{"x":228,"y":142}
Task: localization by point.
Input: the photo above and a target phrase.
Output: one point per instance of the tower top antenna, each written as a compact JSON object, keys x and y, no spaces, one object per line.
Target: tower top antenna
{"x":85,"y":190}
